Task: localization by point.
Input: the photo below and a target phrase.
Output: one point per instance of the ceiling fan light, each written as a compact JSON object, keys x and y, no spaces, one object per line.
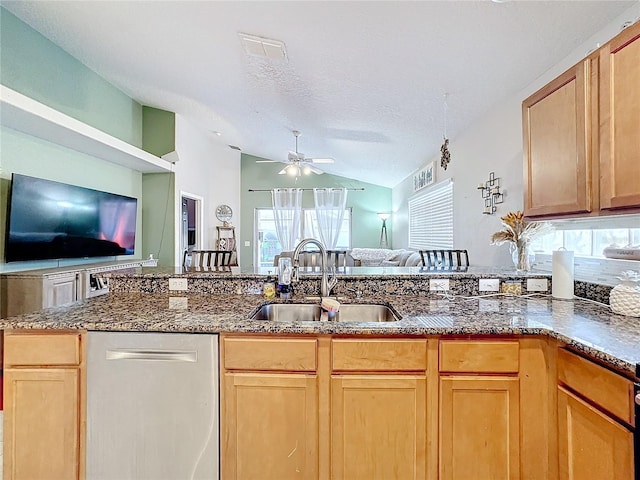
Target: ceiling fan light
{"x":292,"y":170}
{"x":306,"y":169}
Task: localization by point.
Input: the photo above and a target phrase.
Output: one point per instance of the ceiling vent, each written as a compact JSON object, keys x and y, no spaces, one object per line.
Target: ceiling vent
{"x":263,"y":47}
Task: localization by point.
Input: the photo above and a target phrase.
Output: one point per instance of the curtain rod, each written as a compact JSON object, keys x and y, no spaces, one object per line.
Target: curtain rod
{"x":304,"y":189}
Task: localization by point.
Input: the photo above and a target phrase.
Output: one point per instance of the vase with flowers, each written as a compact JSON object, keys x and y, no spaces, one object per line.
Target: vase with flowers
{"x":519,"y":234}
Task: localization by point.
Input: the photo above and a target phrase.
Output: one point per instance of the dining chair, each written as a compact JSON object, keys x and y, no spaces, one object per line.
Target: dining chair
{"x":204,"y":259}
{"x":445,"y":259}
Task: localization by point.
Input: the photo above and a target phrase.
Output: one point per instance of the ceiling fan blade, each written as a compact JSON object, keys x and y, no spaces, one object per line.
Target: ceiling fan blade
{"x":321,"y":160}
{"x":283,"y":171}
{"x":315,"y":170}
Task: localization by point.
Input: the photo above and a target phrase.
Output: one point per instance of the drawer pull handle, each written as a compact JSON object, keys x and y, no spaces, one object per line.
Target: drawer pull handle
{"x":165,"y":355}
{"x":638,"y":399}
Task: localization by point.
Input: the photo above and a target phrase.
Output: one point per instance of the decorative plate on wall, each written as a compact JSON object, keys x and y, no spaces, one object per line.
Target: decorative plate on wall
{"x":224,"y":213}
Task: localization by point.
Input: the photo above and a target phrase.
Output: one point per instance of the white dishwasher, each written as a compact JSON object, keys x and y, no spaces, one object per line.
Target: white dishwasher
{"x":152,"y":406}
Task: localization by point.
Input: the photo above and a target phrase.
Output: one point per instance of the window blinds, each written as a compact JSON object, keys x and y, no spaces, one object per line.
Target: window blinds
{"x":431,"y":217}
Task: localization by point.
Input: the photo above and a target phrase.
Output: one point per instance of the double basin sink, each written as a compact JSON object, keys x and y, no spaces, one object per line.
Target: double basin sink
{"x":309,"y":312}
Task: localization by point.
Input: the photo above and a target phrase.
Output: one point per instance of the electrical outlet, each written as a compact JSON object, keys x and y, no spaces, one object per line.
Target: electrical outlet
{"x":537,"y":285}
{"x":177,"y":284}
{"x":178,"y":303}
{"x":247,"y":243}
{"x":438,"y":284}
{"x":489,"y":285}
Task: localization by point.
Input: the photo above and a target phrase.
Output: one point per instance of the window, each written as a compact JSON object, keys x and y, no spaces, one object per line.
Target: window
{"x":266,"y":241}
{"x":586,"y":242}
{"x":431,"y":218}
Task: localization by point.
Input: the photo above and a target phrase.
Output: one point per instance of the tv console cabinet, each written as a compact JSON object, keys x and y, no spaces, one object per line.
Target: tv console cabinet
{"x":32,"y":290}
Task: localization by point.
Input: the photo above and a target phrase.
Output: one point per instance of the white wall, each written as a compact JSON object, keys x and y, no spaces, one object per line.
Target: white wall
{"x":209,"y":169}
{"x":492,"y":144}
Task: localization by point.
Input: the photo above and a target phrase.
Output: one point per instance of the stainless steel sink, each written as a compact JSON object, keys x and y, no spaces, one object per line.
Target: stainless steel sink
{"x":309,"y":312}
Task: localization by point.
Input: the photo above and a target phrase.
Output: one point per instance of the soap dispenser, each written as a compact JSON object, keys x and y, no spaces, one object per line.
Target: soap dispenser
{"x":284,"y":277}
{"x":269,"y":288}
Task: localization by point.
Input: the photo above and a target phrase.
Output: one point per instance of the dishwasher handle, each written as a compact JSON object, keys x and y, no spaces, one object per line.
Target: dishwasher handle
{"x":162,"y":355}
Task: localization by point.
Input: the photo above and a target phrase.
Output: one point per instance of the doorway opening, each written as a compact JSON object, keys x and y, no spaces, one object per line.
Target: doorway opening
{"x":191,"y":225}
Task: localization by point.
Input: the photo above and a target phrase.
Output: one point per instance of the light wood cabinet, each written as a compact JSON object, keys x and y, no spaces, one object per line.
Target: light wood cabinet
{"x":620,"y":121}
{"x":591,"y":444}
{"x":271,"y":426}
{"x":378,"y":409}
{"x":43,"y":406}
{"x":378,"y":427}
{"x":479,"y":428}
{"x":270,"y":408}
{"x":557,"y":145}
{"x":581,"y":136}
{"x":595,"y":417}
{"x":480,"y":421}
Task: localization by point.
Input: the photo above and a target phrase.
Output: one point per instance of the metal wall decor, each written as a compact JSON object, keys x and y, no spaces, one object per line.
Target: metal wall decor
{"x":490,"y":191}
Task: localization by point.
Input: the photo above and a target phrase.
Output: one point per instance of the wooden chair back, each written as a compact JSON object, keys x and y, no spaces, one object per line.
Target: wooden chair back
{"x":206,"y":259}
{"x":445,"y":259}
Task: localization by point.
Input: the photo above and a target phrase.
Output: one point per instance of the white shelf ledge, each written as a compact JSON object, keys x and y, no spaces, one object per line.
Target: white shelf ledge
{"x":29,"y":116}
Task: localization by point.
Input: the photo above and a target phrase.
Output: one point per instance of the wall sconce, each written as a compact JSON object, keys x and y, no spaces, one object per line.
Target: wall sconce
{"x":490,"y":191}
{"x":384,"y":243}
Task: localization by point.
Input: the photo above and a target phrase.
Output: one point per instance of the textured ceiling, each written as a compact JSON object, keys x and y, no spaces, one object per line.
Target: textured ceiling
{"x":364,"y":82}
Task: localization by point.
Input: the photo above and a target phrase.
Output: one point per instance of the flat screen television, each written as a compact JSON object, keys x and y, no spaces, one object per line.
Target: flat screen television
{"x":52,"y":220}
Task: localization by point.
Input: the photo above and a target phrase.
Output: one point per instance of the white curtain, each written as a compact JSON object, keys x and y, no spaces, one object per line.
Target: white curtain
{"x":287,"y":208}
{"x":330,"y":204}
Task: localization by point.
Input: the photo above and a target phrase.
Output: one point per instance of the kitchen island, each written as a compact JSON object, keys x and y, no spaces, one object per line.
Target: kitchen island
{"x":431,"y":383}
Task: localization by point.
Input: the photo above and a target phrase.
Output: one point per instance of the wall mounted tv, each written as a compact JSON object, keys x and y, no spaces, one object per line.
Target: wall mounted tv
{"x":52,"y":220}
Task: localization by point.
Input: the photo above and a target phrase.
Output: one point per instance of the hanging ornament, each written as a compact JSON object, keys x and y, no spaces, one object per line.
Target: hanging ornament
{"x":445,"y":155}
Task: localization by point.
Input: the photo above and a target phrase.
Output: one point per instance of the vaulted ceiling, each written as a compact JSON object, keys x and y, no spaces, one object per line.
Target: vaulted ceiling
{"x":365,"y":82}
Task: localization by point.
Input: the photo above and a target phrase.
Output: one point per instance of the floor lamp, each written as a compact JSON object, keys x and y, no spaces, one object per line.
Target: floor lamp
{"x":384,"y":242}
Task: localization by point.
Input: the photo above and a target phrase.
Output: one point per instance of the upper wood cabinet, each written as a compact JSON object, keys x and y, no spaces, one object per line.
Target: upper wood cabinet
{"x":581,"y":136}
{"x":620,"y":121}
{"x":557,"y":145}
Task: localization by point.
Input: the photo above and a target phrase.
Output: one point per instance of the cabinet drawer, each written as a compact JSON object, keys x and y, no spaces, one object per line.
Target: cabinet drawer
{"x":602,"y":387}
{"x":479,"y":356}
{"x":379,"y":355}
{"x":291,"y":354}
{"x":41,"y":349}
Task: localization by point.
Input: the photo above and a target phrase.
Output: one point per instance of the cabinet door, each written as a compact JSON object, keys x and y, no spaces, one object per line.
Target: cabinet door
{"x":556,"y":143}
{"x":591,"y":445}
{"x":269,"y":426}
{"x":620,"y":121}
{"x":378,"y":427}
{"x":60,"y":290}
{"x":479,"y":428}
{"x":41,"y":411}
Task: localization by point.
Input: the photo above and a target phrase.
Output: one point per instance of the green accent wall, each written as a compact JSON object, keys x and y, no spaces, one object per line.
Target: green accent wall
{"x":158,"y":131}
{"x":36,"y":67}
{"x":365,"y":226}
{"x":158,"y":194}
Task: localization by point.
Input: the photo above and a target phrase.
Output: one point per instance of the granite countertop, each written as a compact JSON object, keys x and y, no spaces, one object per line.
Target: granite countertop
{"x":341,"y":272}
{"x":586,"y":326}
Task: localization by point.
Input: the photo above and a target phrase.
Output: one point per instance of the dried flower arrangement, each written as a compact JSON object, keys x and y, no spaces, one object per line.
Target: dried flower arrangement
{"x":520,"y":233}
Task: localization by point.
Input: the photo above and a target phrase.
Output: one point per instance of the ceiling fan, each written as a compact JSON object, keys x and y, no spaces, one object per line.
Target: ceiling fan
{"x":297,"y":164}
